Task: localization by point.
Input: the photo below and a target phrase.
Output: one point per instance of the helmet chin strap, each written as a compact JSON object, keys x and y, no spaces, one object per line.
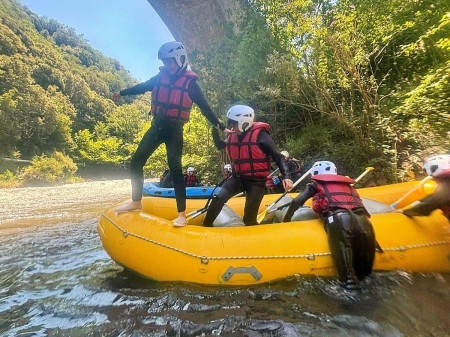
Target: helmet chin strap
{"x":181,"y":70}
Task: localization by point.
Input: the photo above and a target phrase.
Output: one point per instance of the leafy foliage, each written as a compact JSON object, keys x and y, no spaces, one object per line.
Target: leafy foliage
{"x":57,"y":168}
{"x":52,"y":83}
{"x":354,"y":81}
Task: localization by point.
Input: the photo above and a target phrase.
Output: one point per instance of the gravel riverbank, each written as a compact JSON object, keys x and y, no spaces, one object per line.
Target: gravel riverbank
{"x":24,"y":208}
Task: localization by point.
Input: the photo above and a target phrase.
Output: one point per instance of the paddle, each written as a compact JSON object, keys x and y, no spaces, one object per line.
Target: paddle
{"x":407,"y":194}
{"x":368,"y":169}
{"x":196,"y":213}
{"x":263,"y":214}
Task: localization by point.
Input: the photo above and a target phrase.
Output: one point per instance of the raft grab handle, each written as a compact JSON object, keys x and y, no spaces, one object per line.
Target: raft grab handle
{"x":241,"y":270}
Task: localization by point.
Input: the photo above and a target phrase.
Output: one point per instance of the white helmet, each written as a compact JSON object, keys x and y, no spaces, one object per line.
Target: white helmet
{"x":285,"y":153}
{"x":227,"y":167}
{"x":323,"y":167}
{"x":176,"y":50}
{"x":243,"y":115}
{"x":438,"y":165}
{"x":190,"y":169}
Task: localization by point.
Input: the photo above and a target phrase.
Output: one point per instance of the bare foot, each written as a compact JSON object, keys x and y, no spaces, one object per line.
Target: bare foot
{"x":129,"y":206}
{"x":181,"y":220}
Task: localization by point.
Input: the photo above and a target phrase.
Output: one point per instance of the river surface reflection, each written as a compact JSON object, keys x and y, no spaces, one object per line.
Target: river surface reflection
{"x":57,"y":281}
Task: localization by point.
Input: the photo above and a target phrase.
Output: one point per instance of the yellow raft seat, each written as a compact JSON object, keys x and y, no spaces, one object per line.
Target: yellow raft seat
{"x":147,"y":243}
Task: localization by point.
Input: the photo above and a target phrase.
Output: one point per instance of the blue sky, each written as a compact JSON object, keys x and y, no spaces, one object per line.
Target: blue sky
{"x":127,"y":30}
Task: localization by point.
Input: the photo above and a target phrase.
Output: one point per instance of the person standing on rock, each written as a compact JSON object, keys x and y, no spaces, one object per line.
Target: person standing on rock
{"x":174,"y":89}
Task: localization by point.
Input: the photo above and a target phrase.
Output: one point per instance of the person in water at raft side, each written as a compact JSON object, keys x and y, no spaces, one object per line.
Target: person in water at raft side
{"x":251,"y":149}
{"x":174,"y":89}
{"x":351,"y":236}
{"x":438,"y":167}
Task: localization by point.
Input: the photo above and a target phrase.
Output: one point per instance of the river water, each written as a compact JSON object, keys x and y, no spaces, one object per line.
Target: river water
{"x":56,"y":280}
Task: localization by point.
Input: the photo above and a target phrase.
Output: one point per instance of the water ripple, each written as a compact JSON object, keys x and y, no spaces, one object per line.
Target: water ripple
{"x":57,"y":281}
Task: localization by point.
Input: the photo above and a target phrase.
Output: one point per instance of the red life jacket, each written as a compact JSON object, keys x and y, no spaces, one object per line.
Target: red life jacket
{"x":190,"y":180}
{"x":335,"y":192}
{"x":247,"y":157}
{"x":269,"y":183}
{"x":171,"y":99}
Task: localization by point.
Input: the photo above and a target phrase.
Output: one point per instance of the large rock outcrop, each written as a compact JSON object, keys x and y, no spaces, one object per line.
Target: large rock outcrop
{"x":199,"y":23}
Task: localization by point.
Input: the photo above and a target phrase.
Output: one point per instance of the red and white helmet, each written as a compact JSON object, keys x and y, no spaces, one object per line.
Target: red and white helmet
{"x":438,"y":165}
{"x":176,"y":50}
{"x":190,"y":169}
{"x":243,"y":115}
{"x":323,"y":167}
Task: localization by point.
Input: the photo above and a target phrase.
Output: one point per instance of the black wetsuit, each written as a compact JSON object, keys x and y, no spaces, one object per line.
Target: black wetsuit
{"x":169,"y":133}
{"x":351,"y":237}
{"x":439,"y":199}
{"x":254,"y":187}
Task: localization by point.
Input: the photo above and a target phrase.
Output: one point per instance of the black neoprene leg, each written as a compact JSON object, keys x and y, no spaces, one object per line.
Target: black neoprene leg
{"x":173,"y":138}
{"x":340,"y":242}
{"x":149,"y":143}
{"x":255,"y":193}
{"x":363,"y":244}
{"x":229,"y":188}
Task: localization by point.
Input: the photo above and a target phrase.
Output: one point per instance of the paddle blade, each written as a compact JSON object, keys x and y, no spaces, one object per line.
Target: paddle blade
{"x":368,"y":169}
{"x":262,"y":215}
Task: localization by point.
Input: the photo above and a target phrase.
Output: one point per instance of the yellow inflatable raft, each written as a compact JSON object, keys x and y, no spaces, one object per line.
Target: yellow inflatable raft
{"x":147,"y":243}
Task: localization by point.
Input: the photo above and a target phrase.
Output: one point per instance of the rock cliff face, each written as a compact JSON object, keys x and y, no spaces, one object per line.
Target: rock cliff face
{"x":198,"y":23}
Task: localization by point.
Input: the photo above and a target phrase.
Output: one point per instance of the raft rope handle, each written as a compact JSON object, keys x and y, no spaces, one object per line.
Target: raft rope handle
{"x":310,"y":256}
{"x":203,"y":257}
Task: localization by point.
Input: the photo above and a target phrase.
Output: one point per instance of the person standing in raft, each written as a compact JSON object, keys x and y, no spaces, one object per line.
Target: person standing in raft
{"x":438,"y":167}
{"x":174,"y":90}
{"x":250,"y":149}
{"x":351,"y":236}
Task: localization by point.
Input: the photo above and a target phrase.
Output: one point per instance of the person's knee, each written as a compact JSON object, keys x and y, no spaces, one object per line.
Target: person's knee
{"x":137,"y":163}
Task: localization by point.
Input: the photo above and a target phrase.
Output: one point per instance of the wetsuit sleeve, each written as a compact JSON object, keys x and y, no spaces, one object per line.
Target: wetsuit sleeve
{"x":218,"y":142}
{"x":424,"y":206}
{"x":269,"y":148}
{"x":300,"y":200}
{"x":140,"y":88}
{"x":196,"y":94}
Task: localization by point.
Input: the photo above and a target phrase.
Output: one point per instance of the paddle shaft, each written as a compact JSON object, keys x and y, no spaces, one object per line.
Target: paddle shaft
{"x":368,"y":169}
{"x":197,"y":212}
{"x":261,"y":216}
{"x":303,"y":177}
{"x":423,"y":181}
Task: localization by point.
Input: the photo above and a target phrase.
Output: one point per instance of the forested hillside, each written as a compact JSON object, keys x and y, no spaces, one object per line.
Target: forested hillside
{"x":358,"y":82}
{"x":55,"y":91}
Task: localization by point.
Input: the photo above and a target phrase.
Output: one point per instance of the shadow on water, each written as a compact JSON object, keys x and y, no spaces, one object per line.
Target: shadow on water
{"x":57,"y":281}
